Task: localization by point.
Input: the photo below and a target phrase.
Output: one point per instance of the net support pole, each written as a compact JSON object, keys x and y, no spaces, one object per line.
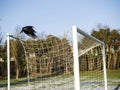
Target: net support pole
{"x":104,"y":66}
{"x":8,"y":61}
{"x":76,"y":59}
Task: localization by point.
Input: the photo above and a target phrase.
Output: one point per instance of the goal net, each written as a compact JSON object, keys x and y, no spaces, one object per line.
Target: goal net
{"x":50,"y":63}
{"x":89,"y":60}
{"x":59,"y":63}
{"x":47,"y":61}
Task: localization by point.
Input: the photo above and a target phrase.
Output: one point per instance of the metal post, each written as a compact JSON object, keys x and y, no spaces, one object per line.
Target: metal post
{"x":8,"y":60}
{"x":76,"y":59}
{"x":104,"y":66}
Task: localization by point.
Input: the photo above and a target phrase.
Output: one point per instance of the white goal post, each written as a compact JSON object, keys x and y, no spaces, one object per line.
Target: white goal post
{"x":76,"y":56}
{"x":8,"y":61}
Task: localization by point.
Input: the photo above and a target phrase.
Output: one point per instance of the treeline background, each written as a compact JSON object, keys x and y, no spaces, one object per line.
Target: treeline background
{"x":40,"y":53}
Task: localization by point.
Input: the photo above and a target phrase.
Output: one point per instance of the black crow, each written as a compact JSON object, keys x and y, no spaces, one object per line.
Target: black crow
{"x":29,"y":31}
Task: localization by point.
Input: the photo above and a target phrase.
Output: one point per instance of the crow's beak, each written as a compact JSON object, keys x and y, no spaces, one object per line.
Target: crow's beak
{"x":21,"y":31}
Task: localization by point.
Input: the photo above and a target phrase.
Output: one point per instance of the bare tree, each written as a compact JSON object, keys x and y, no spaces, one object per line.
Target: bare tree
{"x":1,"y":36}
{"x":17,"y":33}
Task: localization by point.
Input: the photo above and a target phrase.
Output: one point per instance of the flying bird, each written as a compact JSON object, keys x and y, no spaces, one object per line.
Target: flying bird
{"x":29,"y":31}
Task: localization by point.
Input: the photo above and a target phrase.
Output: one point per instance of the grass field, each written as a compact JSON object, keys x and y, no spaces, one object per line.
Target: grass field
{"x":113,"y":77}
{"x":113,"y":74}
{"x":60,"y":82}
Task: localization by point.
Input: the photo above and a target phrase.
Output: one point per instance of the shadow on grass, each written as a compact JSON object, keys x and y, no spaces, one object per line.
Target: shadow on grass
{"x":24,"y":81}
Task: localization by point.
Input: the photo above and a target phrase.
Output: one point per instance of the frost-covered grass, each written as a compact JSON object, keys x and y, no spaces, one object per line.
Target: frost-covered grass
{"x":63,"y":82}
{"x":60,"y":82}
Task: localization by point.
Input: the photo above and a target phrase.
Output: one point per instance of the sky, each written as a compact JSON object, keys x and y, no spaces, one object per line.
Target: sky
{"x":58,"y":16}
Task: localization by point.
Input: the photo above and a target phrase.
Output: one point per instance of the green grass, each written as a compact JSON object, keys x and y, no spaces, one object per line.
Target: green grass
{"x":113,"y":74}
{"x":3,"y":81}
{"x":22,"y":80}
{"x":113,"y":77}
{"x":91,"y":74}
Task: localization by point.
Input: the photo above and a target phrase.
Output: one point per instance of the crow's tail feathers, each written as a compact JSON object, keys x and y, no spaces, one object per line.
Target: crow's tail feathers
{"x":34,"y":37}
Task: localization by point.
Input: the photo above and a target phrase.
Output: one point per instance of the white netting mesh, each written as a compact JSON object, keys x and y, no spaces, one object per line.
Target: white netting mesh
{"x":47,"y":64}
{"x":50,"y":63}
{"x":91,"y":64}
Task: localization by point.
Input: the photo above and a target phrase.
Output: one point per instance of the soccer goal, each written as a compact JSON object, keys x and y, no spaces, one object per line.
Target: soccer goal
{"x":58,"y":63}
{"x":89,"y":61}
{"x":49,"y":63}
